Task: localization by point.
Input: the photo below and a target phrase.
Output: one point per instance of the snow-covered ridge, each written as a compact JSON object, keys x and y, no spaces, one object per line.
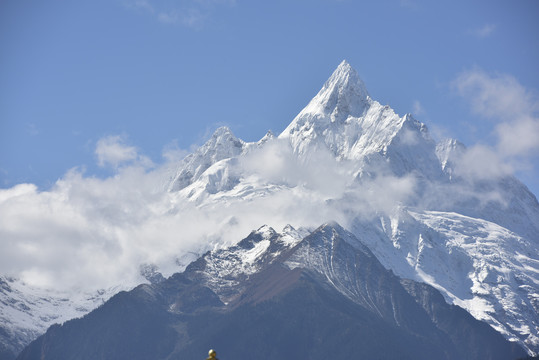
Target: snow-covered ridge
{"x":224,"y":270}
{"x":222,"y":145}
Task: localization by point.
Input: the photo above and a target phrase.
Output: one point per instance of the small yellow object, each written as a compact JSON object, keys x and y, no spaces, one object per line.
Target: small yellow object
{"x":212,"y":355}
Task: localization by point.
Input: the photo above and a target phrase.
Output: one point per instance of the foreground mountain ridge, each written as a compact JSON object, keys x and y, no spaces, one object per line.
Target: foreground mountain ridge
{"x":280,"y":295}
{"x":410,"y":200}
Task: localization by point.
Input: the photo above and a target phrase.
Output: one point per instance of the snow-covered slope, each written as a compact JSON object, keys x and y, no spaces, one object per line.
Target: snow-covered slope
{"x":500,"y":265}
{"x":222,"y":145}
{"x":26,"y":311}
{"x":476,"y":264}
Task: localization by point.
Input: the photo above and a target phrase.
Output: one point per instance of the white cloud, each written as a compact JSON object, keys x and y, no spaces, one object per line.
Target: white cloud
{"x":324,"y":188}
{"x":481,"y":162}
{"x":513,"y":109}
{"x":498,"y":97}
{"x":191,"y":13}
{"x":519,"y":137}
{"x":112,"y":150}
{"x":91,"y":233}
{"x":276,"y":162}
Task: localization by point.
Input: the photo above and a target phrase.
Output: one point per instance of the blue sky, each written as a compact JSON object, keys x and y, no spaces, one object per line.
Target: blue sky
{"x":158,"y":75}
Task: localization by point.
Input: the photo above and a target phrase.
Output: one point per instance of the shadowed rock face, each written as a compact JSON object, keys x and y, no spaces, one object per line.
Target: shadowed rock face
{"x":318,"y":297}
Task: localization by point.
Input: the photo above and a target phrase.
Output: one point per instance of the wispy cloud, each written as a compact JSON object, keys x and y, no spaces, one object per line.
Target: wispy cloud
{"x":112,"y":150}
{"x":481,"y":162}
{"x":192,"y":18}
{"x":417,"y":108}
{"x":140,"y":4}
{"x":514,"y":110}
{"x":98,"y":231}
{"x":172,"y":152}
{"x":189,"y":13}
{"x":484,"y":31}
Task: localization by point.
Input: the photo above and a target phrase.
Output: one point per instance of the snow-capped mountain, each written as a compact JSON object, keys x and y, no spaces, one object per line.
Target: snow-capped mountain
{"x":321,"y":294}
{"x":473,"y":238}
{"x":417,"y":205}
{"x":343,"y":118}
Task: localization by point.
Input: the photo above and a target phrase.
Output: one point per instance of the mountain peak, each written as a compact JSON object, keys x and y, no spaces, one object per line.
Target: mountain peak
{"x":222,"y":145}
{"x":223,"y":131}
{"x":343,"y":118}
{"x":266,"y":231}
{"x":345,"y":75}
{"x":343,"y":94}
{"x":344,"y":71}
{"x":345,"y":63}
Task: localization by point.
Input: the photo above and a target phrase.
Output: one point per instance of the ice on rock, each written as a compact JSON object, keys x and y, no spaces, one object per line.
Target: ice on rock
{"x":290,"y":236}
{"x":269,"y":136}
{"x":448,"y":152}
